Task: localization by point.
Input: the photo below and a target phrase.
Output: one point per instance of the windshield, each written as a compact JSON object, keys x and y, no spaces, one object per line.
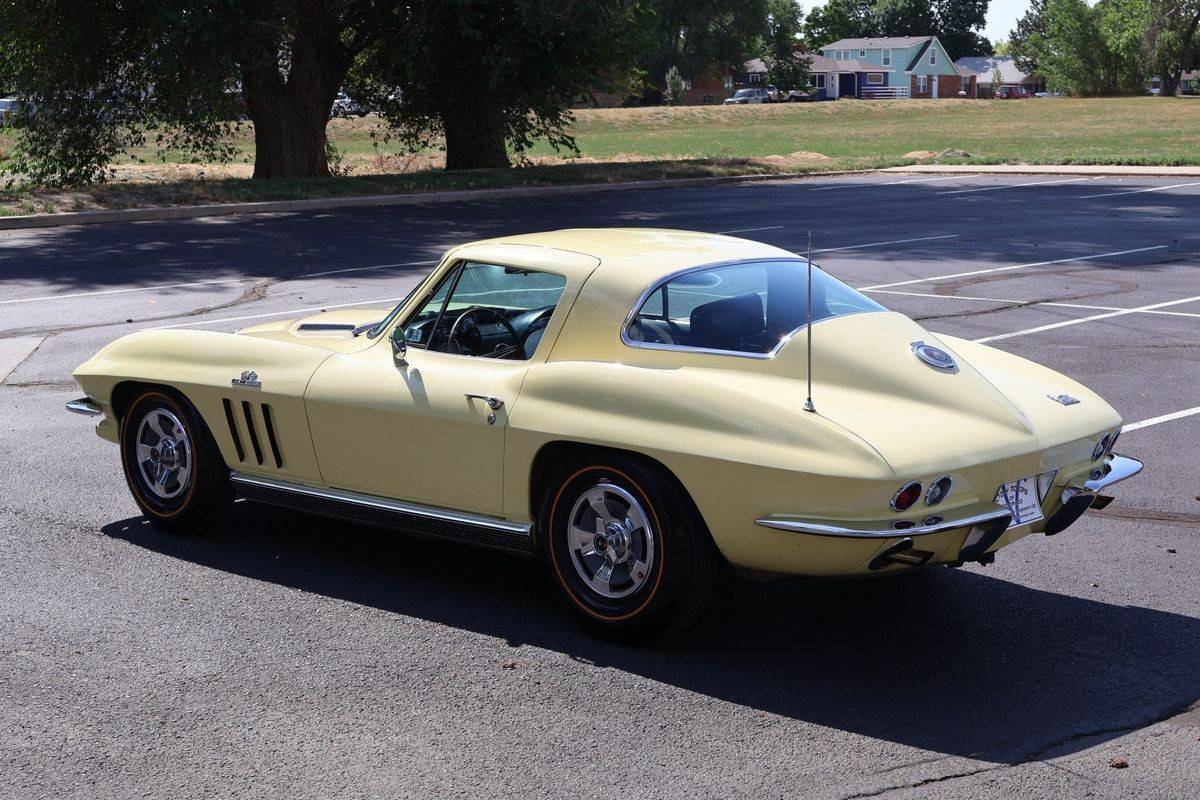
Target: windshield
{"x":742,"y":93}
{"x":750,"y":307}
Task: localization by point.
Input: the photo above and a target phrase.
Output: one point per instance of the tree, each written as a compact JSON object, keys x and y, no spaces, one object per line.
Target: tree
{"x":700,"y":36}
{"x":122,"y":68}
{"x":1001,"y":47}
{"x":1169,"y":40}
{"x":674,"y":87}
{"x":787,"y":65}
{"x":1027,"y":38}
{"x":489,"y":76}
{"x":956,"y":23}
{"x":838,"y":19}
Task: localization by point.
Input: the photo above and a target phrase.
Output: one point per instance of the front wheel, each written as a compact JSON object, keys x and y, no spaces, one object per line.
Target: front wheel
{"x":172,"y":465}
{"x":627,"y":548}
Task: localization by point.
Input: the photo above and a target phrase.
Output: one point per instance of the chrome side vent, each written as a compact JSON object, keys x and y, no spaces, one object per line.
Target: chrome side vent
{"x":266,"y":412}
{"x":233,"y":431}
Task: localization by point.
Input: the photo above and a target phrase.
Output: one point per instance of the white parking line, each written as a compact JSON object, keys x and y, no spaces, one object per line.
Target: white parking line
{"x":748,"y":230}
{"x":960,"y":176}
{"x":213,"y":282}
{"x":1006,"y":269}
{"x":1024,"y":303}
{"x":881,"y":244}
{"x":1080,"y":321}
{"x":289,"y":312}
{"x":1146,"y":423}
{"x":1017,"y":185}
{"x":1139,"y":191}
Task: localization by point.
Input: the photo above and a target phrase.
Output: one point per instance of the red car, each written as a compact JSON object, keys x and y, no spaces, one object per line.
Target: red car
{"x":1012,"y":93}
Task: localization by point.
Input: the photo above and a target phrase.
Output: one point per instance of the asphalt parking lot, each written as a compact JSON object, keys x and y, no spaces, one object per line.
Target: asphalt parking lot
{"x":295,"y":657}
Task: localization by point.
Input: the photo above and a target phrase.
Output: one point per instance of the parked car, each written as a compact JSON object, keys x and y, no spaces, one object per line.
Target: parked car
{"x":744,"y":96}
{"x":8,"y":109}
{"x":344,"y":107}
{"x":1012,"y":93}
{"x":775,"y":95}
{"x":627,"y":406}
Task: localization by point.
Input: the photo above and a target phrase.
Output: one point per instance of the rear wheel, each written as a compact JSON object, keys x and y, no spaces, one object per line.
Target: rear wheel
{"x":172,"y":465}
{"x":627,"y":548}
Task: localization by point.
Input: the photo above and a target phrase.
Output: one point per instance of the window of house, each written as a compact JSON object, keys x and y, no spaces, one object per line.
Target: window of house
{"x":933,"y":56}
{"x":819,"y":80}
{"x":755,"y":77}
{"x":687,"y":84}
{"x":837,"y":55}
{"x":875,"y":78}
{"x":887,"y":58}
{"x":728,"y":82}
{"x":922,"y":83}
{"x":862,"y":53}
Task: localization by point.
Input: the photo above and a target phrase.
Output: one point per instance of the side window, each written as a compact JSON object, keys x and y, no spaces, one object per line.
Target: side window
{"x":933,"y":56}
{"x":740,"y":308}
{"x":488,"y":311}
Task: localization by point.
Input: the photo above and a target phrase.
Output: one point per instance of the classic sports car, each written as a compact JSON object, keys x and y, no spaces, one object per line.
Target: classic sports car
{"x":628,"y":406}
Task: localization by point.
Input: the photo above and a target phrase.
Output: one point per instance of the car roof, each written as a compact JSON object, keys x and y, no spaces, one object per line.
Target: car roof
{"x":632,"y":258}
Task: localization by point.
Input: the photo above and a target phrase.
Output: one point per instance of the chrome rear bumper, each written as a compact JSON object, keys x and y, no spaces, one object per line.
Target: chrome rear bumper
{"x":85,"y":406}
{"x":965,"y":517}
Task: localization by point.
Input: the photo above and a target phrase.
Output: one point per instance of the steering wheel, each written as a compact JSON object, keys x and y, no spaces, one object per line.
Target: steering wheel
{"x":466,"y":336}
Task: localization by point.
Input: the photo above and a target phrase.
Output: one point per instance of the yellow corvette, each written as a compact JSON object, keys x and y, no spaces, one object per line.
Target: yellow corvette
{"x":628,"y":406}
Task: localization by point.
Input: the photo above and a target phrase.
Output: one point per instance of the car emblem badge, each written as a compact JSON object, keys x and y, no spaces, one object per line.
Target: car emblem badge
{"x":933,"y":356}
{"x":249,"y":379}
{"x":1065,"y":399}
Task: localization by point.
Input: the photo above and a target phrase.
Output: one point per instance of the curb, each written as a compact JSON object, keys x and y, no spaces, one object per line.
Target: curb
{"x":367,"y":201}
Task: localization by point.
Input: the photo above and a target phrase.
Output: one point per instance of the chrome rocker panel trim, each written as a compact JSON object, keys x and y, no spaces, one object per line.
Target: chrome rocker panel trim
{"x":412,"y":518}
{"x":85,"y":406}
{"x":982,"y":513}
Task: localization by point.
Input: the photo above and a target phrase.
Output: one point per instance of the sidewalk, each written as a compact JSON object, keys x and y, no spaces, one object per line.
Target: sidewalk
{"x":1053,"y":169}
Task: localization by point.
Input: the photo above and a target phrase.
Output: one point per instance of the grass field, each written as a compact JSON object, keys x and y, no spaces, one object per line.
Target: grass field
{"x":644,"y":143}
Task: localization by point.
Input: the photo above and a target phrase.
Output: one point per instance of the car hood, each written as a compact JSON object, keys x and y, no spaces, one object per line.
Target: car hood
{"x":868,"y":381}
{"x":328,"y":330}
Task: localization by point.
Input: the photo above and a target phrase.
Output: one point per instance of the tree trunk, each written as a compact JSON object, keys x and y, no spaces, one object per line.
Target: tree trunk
{"x":475,"y":138}
{"x":290,"y":111}
{"x":289,"y":141}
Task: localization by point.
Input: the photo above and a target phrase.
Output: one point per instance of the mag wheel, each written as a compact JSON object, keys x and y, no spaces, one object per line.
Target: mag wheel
{"x":172,"y":465}
{"x":627,"y":548}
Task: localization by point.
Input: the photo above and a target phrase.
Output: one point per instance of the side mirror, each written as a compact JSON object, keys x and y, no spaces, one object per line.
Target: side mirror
{"x":399,"y":346}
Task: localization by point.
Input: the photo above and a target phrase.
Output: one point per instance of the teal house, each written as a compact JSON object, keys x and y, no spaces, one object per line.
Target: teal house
{"x":890,"y":67}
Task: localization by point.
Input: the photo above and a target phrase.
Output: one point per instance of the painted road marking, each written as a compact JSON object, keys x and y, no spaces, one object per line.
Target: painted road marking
{"x":1017,"y":185}
{"x":748,"y":230}
{"x":1146,"y":423}
{"x":881,"y":244}
{"x":1015,"y":266}
{"x":1139,"y":191}
{"x":894,"y":183}
{"x":292,"y":311}
{"x":213,"y":282}
{"x":1094,"y":318}
{"x":1027,"y":303}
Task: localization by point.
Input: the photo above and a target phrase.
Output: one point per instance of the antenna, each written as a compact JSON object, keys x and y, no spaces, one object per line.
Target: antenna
{"x":808,"y":404}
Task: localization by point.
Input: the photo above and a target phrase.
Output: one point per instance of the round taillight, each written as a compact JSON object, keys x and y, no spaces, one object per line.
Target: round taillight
{"x":908,"y":494}
{"x":938,"y":490}
{"x":1101,"y":447}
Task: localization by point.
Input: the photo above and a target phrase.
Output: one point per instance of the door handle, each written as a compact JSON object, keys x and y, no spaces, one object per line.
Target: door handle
{"x":494,"y":403}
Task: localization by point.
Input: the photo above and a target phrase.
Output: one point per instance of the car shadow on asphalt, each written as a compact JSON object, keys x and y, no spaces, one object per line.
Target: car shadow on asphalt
{"x":951,"y":661}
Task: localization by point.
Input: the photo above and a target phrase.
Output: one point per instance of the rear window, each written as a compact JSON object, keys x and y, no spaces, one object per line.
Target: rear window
{"x":747,"y":308}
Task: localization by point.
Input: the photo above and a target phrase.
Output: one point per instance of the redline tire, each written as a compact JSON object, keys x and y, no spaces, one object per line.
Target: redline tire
{"x":646,"y":520}
{"x":162,"y":433}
